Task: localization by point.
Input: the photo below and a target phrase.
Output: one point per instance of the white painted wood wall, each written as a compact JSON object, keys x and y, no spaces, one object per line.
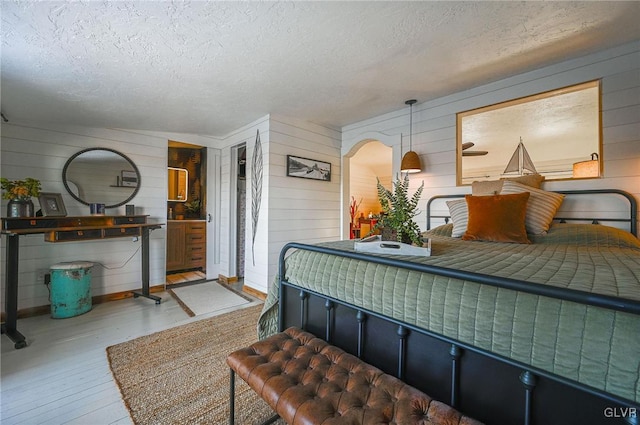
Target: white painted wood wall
{"x":296,"y":209}
{"x":40,"y":151}
{"x":301,"y":210}
{"x":255,"y":276}
{"x":434,"y":124}
{"x":293,"y":209}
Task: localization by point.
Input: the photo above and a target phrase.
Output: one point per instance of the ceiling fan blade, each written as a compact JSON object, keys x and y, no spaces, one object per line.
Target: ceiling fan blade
{"x":474,"y":153}
{"x":468,"y":145}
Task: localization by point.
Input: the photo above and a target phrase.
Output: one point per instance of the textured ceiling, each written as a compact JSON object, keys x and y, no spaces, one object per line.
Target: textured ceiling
{"x":212,"y":67}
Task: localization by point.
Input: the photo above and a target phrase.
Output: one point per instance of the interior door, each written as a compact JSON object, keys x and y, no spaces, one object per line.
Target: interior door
{"x":213,"y":212}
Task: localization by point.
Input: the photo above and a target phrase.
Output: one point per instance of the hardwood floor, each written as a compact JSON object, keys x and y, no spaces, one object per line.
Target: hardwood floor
{"x":63,"y":377}
{"x":183,"y":277}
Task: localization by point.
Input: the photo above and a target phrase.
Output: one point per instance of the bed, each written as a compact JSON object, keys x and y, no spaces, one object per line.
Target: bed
{"x":539,"y":333}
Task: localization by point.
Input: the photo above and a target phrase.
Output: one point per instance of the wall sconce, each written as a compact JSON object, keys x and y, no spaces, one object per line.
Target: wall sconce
{"x":586,"y":169}
{"x":410,"y":161}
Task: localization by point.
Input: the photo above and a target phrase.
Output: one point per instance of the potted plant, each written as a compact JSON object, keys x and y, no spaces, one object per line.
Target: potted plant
{"x":19,"y":194}
{"x":193,"y":207}
{"x":398,"y":210}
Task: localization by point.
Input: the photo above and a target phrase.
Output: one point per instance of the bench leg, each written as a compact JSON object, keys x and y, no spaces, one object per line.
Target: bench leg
{"x":232,"y":397}
{"x":232,"y":402}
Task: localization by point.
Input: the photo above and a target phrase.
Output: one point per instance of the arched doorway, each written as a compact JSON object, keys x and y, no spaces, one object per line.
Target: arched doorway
{"x":372,"y":156}
{"x":371,"y":163}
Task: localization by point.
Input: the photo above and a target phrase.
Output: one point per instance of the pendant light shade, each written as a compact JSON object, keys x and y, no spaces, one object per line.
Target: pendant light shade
{"x":410,"y":161}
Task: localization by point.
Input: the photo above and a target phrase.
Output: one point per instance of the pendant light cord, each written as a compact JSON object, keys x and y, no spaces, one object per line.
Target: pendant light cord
{"x":411,"y":126}
{"x":410,"y":103}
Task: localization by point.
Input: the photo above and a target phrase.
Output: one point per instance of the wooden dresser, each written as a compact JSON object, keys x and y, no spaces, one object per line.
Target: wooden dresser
{"x":186,"y":245}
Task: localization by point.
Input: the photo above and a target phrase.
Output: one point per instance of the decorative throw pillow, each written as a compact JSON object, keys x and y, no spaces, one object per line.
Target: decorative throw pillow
{"x":459,"y":215}
{"x":533,"y":180}
{"x":487,"y":187}
{"x":494,"y":187}
{"x":497,"y":218}
{"x":541,"y":209}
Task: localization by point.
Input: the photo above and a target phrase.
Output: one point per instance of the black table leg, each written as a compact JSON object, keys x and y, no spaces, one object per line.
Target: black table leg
{"x":145,"y":269}
{"x":9,"y":327}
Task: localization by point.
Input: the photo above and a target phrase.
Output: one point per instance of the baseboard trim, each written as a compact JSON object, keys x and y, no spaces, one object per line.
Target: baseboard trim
{"x":254,"y":293}
{"x":98,"y":299}
{"x":227,"y":279}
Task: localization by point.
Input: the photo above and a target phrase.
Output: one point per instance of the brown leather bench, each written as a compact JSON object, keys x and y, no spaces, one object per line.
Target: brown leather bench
{"x":308,"y":381}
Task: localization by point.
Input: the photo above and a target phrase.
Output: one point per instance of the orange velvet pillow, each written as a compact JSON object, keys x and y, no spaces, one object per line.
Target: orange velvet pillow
{"x":497,"y":218}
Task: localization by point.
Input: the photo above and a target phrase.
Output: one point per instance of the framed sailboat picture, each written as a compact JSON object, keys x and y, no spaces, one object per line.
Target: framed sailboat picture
{"x":554,"y":134}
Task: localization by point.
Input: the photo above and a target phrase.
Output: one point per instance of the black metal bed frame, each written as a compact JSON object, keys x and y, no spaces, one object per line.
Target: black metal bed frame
{"x":491,"y":388}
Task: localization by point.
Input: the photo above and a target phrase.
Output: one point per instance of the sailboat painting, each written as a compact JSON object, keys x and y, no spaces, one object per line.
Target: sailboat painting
{"x":520,"y":162}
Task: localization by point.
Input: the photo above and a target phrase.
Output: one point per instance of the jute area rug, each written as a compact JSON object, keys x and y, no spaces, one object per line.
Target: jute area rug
{"x":180,"y":376}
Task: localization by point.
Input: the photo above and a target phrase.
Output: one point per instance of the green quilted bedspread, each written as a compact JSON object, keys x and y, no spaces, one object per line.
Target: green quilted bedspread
{"x":591,"y":345}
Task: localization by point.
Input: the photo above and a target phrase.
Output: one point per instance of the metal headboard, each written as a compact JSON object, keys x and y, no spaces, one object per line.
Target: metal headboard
{"x":633,"y":208}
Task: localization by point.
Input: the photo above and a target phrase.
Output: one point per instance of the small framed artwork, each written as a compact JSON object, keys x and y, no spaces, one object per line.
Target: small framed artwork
{"x":129,"y":178}
{"x":308,"y":168}
{"x":52,"y":205}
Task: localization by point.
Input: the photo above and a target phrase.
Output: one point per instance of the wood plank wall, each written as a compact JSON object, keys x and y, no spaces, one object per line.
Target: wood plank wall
{"x":247,"y":135}
{"x":292,"y":209}
{"x":40,"y":151}
{"x":297,"y":209}
{"x":434,"y":123}
{"x":301,"y":210}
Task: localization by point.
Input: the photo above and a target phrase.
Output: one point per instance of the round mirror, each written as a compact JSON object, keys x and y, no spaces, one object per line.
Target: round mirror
{"x":101,"y":175}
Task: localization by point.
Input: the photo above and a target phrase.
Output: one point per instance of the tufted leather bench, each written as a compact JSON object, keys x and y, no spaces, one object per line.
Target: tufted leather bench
{"x":308,"y":381}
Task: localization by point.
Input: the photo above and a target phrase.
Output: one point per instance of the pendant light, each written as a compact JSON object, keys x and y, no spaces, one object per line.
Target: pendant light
{"x":410,"y":161}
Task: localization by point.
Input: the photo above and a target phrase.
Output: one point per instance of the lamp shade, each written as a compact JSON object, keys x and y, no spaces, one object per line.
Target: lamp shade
{"x":585,"y":169}
{"x":411,"y":163}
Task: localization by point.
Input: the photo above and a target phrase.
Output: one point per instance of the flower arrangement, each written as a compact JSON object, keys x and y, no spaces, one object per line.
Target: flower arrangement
{"x":353,"y":209}
{"x":21,"y":190}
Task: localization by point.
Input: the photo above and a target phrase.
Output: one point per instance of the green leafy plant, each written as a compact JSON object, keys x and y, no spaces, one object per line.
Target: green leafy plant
{"x":398,"y":210}
{"x":21,"y":190}
{"x":192,"y":206}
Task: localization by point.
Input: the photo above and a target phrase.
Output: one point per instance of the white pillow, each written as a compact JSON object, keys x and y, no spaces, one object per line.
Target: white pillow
{"x":459,"y":215}
{"x":541,"y":208}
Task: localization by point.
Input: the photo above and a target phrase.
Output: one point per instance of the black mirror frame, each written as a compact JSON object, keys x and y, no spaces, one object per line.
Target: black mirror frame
{"x":74,"y":156}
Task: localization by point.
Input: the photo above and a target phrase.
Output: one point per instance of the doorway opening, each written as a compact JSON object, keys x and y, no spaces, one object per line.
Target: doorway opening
{"x":370,"y":163}
{"x":241,"y":211}
{"x":186,"y":255}
{"x":237,"y":215}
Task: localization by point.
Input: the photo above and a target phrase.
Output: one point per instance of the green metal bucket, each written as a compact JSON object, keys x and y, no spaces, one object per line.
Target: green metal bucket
{"x":70,"y":289}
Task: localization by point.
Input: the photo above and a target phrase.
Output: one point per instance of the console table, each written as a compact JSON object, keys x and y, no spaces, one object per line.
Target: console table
{"x":67,"y":229}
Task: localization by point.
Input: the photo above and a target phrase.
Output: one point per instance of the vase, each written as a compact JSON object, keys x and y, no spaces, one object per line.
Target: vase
{"x":389,"y":234}
{"x":20,"y":208}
